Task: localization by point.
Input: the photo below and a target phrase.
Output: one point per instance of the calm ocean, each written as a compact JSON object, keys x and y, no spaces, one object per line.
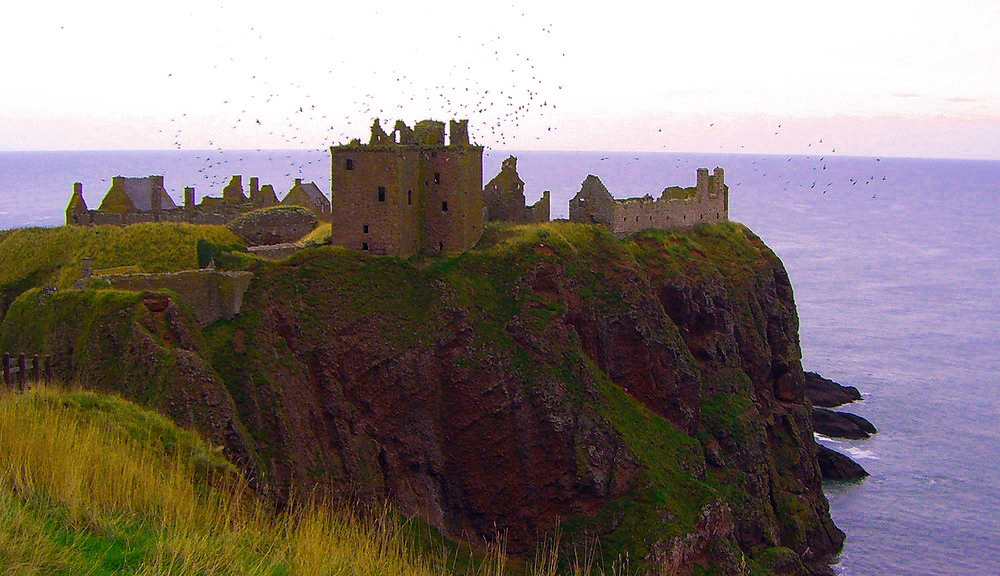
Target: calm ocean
{"x":896,"y":270}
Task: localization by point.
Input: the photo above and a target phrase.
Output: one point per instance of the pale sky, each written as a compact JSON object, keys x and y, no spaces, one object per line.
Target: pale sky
{"x":871,"y":77}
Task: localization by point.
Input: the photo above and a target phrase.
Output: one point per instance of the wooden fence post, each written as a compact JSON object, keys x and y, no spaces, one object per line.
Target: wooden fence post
{"x":36,"y":370}
{"x":22,"y":367}
{"x":6,"y":369}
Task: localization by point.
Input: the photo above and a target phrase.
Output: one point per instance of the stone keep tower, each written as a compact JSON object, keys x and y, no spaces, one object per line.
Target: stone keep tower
{"x":408,"y":191}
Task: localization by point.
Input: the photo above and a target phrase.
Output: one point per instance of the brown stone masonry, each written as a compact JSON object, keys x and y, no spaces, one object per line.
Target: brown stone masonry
{"x":408,"y":192}
{"x":676,"y":208}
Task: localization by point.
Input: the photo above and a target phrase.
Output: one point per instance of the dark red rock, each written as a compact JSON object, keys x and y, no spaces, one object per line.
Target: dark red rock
{"x":836,"y":466}
{"x":837,"y":424}
{"x":827,"y":393}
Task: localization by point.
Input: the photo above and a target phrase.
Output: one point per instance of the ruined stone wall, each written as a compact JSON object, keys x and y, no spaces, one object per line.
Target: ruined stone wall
{"x":218,"y":215}
{"x":539,"y":211}
{"x":274,"y":251}
{"x":593,"y":204}
{"x":676,"y":208}
{"x":635,"y":214}
{"x":503,"y":198}
{"x":214,"y":295}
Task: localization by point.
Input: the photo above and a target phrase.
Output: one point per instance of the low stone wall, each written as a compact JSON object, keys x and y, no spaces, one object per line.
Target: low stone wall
{"x":213,"y":294}
{"x":275,"y":251}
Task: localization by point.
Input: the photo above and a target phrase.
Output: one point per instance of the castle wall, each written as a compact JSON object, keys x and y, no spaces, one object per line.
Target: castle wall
{"x":119,"y":210}
{"x":503,"y":198}
{"x":213,"y":294}
{"x":453,"y":214}
{"x":539,"y":211}
{"x":636,"y":214}
{"x":374,"y":204}
{"x":593,"y":204}
{"x":676,"y":208}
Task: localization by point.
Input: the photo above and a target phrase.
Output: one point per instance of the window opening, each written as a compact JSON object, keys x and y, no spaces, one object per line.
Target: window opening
{"x":381,"y":193}
{"x":366,"y":228}
{"x":437,"y":177}
{"x":409,"y":197}
{"x":364,"y":246}
{"x":349,"y":164}
{"x":444,"y":206}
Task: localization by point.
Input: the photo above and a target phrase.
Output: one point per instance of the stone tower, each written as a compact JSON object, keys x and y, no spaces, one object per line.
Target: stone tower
{"x":408,"y":191}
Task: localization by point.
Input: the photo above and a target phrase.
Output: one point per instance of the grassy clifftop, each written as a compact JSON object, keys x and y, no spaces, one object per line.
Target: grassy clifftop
{"x":644,"y":394}
{"x":35,"y":257}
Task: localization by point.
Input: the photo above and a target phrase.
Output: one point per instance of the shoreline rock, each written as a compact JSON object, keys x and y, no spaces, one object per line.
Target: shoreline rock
{"x":827,"y":393}
{"x":835,"y":466}
{"x":836,"y":424}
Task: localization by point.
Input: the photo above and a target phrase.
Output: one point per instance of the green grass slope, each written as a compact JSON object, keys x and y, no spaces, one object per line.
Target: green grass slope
{"x":34,"y":257}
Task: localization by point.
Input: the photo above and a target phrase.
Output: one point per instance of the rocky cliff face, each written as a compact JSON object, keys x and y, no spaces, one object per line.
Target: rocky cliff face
{"x":645,"y":393}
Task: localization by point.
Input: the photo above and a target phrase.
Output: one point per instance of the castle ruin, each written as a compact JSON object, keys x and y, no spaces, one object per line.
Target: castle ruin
{"x":411,"y":191}
{"x":503,"y":198}
{"x":144,"y":199}
{"x":676,"y":208}
{"x":408,"y":192}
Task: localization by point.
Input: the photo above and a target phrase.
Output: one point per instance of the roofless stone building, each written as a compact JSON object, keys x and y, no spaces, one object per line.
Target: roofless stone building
{"x":676,"y":208}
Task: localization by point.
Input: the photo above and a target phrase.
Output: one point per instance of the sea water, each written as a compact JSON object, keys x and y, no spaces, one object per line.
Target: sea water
{"x":896,"y":273}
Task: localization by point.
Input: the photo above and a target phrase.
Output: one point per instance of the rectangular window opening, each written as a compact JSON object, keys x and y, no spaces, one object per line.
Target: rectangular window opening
{"x":366,"y":228}
{"x":381,"y":193}
{"x":349,"y":164}
{"x":409,"y":197}
{"x":364,"y":246}
{"x":437,"y":177}
{"x":444,"y":206}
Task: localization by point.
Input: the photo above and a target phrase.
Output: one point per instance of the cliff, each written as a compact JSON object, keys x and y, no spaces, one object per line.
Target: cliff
{"x":645,"y":394}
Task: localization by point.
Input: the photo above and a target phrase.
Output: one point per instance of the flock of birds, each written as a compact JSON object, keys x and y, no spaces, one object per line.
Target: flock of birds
{"x":291,"y":123}
{"x":487,"y":80}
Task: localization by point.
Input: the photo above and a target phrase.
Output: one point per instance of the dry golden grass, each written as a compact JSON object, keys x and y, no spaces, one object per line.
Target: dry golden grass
{"x":72,"y":475}
{"x":92,"y":484}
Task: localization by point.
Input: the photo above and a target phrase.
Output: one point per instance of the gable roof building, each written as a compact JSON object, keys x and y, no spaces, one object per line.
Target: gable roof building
{"x":143,"y":194}
{"x":308,"y":195}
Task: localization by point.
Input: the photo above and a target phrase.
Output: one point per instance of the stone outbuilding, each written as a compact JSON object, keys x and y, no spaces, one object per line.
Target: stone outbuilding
{"x":145,"y":194}
{"x":308,"y":195}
